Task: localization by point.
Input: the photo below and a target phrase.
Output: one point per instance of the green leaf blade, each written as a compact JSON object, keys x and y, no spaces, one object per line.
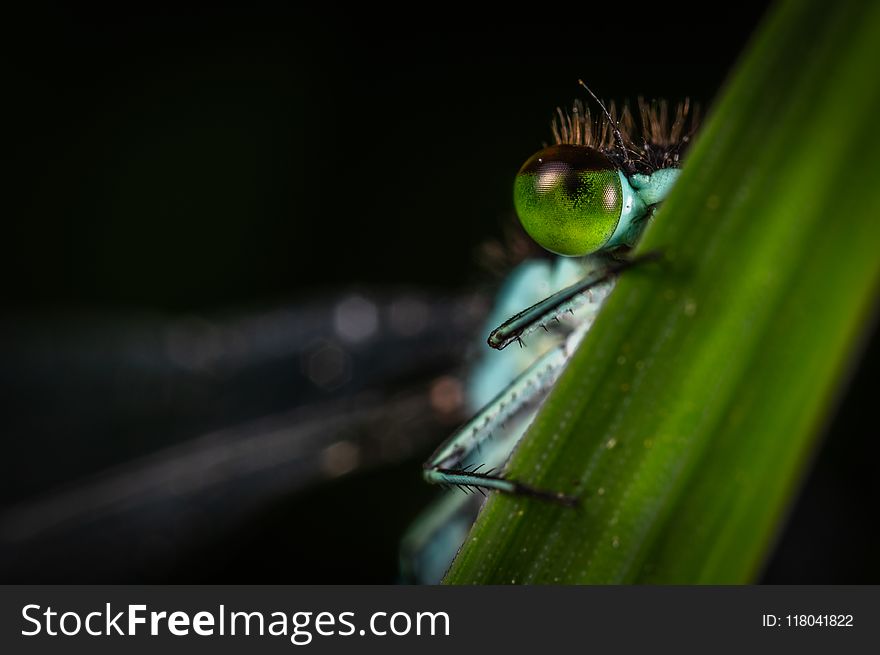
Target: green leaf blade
{"x":686,"y":418}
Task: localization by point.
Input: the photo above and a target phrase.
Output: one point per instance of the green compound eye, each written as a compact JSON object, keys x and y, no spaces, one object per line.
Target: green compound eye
{"x":569,"y":199}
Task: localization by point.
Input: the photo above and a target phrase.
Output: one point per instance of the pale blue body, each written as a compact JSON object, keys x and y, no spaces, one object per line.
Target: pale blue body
{"x":505,"y":388}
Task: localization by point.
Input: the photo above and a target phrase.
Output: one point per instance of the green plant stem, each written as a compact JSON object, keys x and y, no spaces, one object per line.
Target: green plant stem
{"x":688,"y":416}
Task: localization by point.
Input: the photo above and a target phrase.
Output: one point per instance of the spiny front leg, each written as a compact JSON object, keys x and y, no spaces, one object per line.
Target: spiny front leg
{"x":592,"y":289}
{"x":446,"y":466}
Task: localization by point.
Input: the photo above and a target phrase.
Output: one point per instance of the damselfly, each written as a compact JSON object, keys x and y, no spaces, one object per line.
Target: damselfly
{"x":586,"y":198}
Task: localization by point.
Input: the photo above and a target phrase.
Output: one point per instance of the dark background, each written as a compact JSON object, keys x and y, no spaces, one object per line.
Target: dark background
{"x":183,"y":168}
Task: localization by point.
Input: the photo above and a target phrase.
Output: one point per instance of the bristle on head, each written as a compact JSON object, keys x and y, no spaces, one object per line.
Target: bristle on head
{"x":656,"y":140}
{"x":578,"y":128}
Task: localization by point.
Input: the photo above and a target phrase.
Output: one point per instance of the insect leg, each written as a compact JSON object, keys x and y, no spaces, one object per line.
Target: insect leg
{"x":592,"y":289}
{"x":446,"y":465}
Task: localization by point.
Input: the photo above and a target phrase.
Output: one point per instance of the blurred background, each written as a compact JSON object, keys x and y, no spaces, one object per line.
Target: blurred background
{"x":248,"y":255}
